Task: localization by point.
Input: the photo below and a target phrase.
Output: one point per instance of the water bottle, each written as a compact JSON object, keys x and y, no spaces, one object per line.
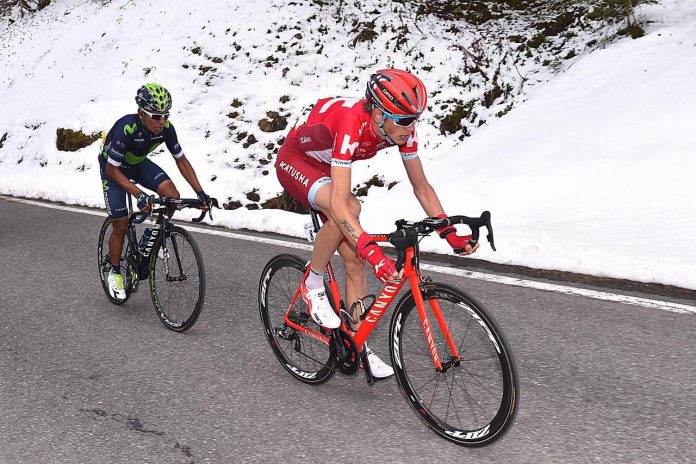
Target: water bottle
{"x":145,"y":239}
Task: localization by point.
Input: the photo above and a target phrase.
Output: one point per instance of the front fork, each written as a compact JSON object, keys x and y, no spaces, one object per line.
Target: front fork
{"x":165,"y":231}
{"x":417,"y":283}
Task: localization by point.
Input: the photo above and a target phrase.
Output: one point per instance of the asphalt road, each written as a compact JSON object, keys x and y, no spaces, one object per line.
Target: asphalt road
{"x":82,"y":381}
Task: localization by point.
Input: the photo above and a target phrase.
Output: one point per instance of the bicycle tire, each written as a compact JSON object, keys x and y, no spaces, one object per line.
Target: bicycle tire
{"x":104,"y":263}
{"x":180,"y":274}
{"x":470,"y":404}
{"x":307,"y":359}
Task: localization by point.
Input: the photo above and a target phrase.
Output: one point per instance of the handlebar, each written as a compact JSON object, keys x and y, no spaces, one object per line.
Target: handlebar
{"x":178,"y":203}
{"x":407,"y":232}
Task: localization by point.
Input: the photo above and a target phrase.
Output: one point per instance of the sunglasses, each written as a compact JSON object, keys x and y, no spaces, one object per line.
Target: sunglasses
{"x":157,"y":116}
{"x":402,"y":121}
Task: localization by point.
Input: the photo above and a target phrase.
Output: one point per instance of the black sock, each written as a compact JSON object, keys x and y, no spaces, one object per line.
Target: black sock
{"x":117,"y":269}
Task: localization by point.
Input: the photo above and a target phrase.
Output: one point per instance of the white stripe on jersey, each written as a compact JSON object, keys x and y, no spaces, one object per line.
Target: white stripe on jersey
{"x":321,"y":155}
{"x":409,"y":156}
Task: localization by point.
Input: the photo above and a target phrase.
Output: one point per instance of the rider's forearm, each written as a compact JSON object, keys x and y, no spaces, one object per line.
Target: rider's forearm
{"x":429,"y":201}
{"x":189,"y":174}
{"x":115,"y":174}
{"x":347,"y":222}
{"x":340,"y":204}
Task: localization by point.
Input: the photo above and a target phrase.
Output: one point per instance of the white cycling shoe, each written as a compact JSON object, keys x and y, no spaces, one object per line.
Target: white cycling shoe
{"x":116,"y":289}
{"x":378,"y":368}
{"x":319,"y":307}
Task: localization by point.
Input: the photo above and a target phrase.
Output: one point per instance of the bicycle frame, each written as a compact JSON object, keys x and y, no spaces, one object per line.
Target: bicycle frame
{"x":161,"y":224}
{"x":380,"y":306}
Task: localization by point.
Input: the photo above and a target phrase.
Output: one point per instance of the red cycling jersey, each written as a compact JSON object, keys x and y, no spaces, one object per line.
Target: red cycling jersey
{"x":338,"y":131}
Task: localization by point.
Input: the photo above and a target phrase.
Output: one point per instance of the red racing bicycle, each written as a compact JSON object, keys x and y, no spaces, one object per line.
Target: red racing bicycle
{"x":450,"y":358}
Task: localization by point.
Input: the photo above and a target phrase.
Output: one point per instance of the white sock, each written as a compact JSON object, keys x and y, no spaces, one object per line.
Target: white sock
{"x":314,"y":280}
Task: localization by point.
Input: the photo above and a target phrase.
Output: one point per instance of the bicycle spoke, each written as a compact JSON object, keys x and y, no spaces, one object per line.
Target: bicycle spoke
{"x":468,"y":396}
{"x":424,"y":351}
{"x":469,"y":400}
{"x":475,"y":378}
{"x":451,"y":401}
{"x":464,"y":337}
{"x":437,"y":382}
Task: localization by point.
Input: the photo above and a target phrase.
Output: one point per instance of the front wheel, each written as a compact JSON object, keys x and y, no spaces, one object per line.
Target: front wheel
{"x":473,"y":400}
{"x":177,"y":279}
{"x":303,"y":354}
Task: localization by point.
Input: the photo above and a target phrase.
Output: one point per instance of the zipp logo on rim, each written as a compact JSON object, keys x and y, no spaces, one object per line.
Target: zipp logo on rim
{"x":396,"y":340}
{"x":469,"y":435}
{"x":305,"y":375}
{"x":264,"y":285}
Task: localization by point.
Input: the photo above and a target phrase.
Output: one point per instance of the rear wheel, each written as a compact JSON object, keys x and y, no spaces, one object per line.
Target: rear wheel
{"x":307,"y":358}
{"x":105,"y":266}
{"x":473,"y":400}
{"x":177,"y":279}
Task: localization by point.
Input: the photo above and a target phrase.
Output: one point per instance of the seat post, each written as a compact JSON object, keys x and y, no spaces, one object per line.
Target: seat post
{"x":315,"y":219}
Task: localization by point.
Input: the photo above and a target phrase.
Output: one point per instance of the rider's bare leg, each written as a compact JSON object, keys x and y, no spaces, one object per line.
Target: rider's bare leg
{"x":119,"y":227}
{"x":330,"y":236}
{"x":329,"y":239}
{"x":356,"y":282}
{"x":168,"y":189}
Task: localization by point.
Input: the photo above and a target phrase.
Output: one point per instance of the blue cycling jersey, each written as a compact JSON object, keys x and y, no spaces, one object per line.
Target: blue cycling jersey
{"x":129,"y":143}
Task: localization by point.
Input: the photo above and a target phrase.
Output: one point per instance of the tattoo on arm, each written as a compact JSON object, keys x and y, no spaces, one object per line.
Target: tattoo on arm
{"x":348,"y":228}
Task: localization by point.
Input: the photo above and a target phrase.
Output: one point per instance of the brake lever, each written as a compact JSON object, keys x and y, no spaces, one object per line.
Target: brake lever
{"x":140,"y":216}
{"x":484,"y":220}
{"x":400,"y":240}
{"x":213,"y":203}
{"x":486,"y":216}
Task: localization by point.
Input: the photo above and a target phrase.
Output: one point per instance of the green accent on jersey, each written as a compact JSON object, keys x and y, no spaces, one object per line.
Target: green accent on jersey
{"x":166,"y":124}
{"x":105,"y":184}
{"x":131,"y":158}
{"x":129,"y":129}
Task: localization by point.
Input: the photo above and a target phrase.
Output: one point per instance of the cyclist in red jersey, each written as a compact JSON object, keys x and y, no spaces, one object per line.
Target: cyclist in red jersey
{"x":314,"y":166}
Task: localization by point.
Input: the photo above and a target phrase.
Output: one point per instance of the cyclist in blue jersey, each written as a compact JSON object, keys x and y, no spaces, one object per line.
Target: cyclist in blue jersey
{"x":124,"y":158}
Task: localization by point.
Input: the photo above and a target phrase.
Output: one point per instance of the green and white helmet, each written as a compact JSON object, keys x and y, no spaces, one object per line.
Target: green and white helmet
{"x":154,"y":97}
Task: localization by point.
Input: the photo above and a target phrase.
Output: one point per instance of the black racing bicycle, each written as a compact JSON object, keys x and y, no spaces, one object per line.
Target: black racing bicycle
{"x":166,"y":255}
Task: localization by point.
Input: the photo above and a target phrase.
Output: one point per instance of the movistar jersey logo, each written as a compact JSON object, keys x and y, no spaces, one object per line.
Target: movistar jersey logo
{"x":129,"y":129}
{"x":105,"y":184}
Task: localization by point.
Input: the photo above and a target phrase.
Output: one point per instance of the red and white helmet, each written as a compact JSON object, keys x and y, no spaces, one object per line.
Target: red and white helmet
{"x":397,"y":92}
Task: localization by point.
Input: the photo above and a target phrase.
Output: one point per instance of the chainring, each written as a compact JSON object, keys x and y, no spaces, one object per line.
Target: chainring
{"x":350,"y":364}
